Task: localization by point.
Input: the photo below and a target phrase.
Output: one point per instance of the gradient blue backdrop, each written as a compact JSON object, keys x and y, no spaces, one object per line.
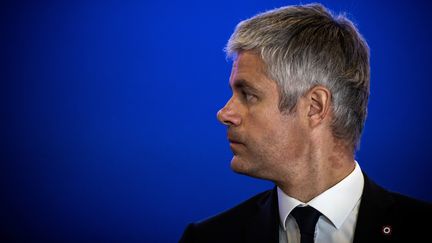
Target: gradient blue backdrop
{"x":108,"y":113}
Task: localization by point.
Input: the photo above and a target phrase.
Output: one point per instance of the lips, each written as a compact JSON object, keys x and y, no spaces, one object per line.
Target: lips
{"x":232,"y":138}
{"x":234,"y":141}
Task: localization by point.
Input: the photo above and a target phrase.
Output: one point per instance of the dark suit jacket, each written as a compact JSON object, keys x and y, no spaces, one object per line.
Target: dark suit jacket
{"x":257,"y":220}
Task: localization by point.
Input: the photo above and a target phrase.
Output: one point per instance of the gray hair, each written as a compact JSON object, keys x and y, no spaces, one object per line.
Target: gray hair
{"x":304,"y":46}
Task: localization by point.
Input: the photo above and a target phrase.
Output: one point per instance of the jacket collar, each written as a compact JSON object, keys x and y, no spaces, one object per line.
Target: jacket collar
{"x":375,"y":217}
{"x":264,"y":224}
{"x":375,"y":214}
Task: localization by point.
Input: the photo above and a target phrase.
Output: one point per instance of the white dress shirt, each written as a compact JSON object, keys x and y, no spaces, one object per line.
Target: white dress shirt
{"x":338,"y":205}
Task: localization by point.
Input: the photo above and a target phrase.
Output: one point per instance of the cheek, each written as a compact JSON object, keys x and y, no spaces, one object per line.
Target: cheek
{"x":270,"y":139}
{"x":286,"y":139}
{"x":272,"y":132}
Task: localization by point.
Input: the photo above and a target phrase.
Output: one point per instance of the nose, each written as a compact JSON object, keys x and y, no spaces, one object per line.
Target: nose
{"x":228,"y":115}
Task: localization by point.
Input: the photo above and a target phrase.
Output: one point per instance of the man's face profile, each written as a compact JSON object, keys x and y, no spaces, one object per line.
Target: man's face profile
{"x":262,"y":138}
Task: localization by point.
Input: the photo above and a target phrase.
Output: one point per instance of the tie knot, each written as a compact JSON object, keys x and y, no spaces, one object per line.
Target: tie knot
{"x":306,"y":218}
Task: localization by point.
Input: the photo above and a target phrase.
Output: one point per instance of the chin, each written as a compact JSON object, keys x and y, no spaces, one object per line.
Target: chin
{"x":244,"y":167}
{"x":239,"y":165}
{"x":250,"y":168}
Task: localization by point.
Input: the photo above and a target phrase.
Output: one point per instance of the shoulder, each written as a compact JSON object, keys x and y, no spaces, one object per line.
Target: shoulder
{"x":238,"y":212}
{"x":411,"y":217}
{"x":397,"y":201}
{"x":410,"y":207}
{"x":228,"y":225}
{"x":381,"y":208}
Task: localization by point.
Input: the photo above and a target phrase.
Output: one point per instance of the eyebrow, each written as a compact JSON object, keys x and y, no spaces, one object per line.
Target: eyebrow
{"x":243,"y":84}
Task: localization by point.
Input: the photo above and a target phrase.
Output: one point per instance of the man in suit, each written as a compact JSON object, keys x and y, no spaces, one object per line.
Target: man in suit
{"x":300,"y":88}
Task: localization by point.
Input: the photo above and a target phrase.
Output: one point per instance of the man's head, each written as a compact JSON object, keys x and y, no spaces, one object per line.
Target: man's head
{"x":294,"y":53}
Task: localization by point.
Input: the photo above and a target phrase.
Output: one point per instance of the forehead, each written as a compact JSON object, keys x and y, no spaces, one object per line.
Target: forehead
{"x":249,"y":67}
{"x":247,"y":61}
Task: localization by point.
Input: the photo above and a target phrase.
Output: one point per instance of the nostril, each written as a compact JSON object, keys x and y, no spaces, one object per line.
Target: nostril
{"x":228,"y":115}
{"x":222,"y":116}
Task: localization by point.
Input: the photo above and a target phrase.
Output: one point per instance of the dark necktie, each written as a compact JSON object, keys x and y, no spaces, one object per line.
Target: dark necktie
{"x":306,"y":218}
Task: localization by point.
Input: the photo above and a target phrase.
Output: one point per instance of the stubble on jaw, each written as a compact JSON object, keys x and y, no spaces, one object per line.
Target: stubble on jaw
{"x":278,"y":156}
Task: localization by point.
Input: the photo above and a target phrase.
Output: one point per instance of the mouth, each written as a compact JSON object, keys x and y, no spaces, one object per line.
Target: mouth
{"x":233,"y":140}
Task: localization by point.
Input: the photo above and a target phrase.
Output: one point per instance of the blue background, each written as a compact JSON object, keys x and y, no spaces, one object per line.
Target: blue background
{"x":108,"y":113}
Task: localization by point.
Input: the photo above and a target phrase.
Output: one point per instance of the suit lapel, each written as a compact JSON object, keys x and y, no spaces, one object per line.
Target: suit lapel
{"x":375,"y":215}
{"x":264,"y":224}
{"x":376,"y":212}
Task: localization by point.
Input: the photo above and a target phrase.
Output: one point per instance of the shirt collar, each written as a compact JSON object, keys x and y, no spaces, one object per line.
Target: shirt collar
{"x":336,"y":203}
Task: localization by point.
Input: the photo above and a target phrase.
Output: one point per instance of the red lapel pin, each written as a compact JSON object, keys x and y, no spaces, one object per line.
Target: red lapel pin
{"x":387,"y":230}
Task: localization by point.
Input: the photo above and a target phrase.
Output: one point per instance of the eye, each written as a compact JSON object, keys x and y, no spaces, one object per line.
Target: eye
{"x":248,"y":96}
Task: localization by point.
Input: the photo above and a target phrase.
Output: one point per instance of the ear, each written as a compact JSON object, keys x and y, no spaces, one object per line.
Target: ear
{"x":319,"y":101}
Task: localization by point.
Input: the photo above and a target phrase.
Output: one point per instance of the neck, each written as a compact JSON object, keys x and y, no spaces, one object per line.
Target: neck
{"x":317,"y":172}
